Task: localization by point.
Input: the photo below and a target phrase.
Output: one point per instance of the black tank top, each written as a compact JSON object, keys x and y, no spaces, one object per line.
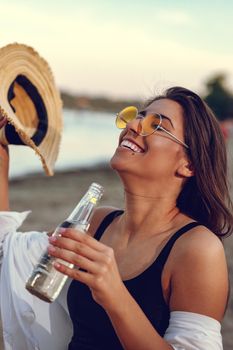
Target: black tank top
{"x":92,"y":328}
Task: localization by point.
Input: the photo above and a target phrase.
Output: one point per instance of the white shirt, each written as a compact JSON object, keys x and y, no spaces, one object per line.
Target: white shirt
{"x":30,"y":323}
{"x":191,"y":331}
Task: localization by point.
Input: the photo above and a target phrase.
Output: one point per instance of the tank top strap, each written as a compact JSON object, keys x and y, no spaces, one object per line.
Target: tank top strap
{"x":106,"y":222}
{"x":162,"y":257}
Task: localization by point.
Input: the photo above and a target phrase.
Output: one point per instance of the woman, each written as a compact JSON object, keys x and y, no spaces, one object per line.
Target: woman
{"x":154,"y":276}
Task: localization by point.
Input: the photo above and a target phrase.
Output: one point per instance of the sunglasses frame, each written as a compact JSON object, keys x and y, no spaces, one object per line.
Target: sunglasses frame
{"x":118,"y":116}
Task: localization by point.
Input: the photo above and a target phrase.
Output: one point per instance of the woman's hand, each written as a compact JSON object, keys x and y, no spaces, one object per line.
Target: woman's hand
{"x":4,"y":171}
{"x":4,"y":154}
{"x":97,"y":260}
{"x":3,"y":121}
{"x":4,"y":157}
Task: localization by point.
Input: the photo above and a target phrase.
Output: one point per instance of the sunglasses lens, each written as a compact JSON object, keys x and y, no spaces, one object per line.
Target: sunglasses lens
{"x":126,"y":116}
{"x":146,"y":126}
{"x":150,"y":124}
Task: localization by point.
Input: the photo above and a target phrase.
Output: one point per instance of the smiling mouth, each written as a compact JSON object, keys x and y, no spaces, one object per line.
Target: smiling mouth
{"x":132,"y":146}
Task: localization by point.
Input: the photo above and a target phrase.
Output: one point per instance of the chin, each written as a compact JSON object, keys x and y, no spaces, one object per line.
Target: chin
{"x":117,"y":162}
{"x":121,"y":164}
{"x":114,"y":162}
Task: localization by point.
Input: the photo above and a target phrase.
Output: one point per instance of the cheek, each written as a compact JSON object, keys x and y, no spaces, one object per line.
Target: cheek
{"x":164,"y":159}
{"x":161,"y":144}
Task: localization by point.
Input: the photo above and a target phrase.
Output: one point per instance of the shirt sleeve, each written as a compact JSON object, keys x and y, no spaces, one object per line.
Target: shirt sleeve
{"x":192,"y":331}
{"x":10,"y":221}
{"x":28,"y":322}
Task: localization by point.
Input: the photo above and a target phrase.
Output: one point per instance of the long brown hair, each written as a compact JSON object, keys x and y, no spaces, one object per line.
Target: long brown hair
{"x":205,"y":196}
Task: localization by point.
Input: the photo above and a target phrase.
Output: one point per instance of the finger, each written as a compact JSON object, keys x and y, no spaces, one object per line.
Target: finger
{"x":105,"y":257}
{"x":83,"y":238}
{"x":78,"y":260}
{"x":4,"y":148}
{"x":3,"y":121}
{"x":79,"y":275}
{"x":76,"y":247}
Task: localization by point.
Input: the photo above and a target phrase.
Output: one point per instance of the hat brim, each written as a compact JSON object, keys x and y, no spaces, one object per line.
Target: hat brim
{"x":20,"y":60}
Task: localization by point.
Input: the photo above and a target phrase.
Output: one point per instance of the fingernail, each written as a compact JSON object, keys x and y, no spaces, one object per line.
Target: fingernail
{"x":61,"y":230}
{"x":56,"y":264}
{"x":51,"y":248}
{"x":52,"y":239}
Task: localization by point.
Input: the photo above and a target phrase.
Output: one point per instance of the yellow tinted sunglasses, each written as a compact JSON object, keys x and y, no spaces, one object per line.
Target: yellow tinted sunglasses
{"x":147,"y":125}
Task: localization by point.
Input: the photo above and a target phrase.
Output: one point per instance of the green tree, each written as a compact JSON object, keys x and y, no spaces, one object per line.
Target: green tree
{"x":219,"y":97}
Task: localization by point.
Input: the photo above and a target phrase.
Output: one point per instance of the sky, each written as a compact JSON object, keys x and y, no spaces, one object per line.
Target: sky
{"x":125,"y":48}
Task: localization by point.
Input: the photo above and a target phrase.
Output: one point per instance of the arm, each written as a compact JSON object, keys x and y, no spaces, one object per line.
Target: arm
{"x":199,"y":290}
{"x":4,"y":171}
{"x":199,"y":283}
{"x":200,"y":278}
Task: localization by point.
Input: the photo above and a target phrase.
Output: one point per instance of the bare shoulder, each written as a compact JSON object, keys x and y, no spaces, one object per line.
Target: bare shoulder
{"x":98,"y":216}
{"x":199,"y":243}
{"x":199,"y":274}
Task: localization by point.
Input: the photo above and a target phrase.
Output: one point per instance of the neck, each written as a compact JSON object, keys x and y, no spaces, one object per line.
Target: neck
{"x":148,"y":214}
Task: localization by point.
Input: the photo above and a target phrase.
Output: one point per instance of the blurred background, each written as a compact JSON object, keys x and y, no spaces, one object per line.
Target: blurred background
{"x":105,"y":55}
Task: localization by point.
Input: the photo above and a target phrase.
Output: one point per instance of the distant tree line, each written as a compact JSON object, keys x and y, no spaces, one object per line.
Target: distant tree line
{"x":96,"y":103}
{"x":218,"y":96}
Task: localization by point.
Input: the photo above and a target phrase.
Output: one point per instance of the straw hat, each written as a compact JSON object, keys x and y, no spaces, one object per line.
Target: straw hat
{"x":31,"y":103}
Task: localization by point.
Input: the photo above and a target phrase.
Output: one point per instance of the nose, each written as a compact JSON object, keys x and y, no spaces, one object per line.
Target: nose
{"x":134,"y":126}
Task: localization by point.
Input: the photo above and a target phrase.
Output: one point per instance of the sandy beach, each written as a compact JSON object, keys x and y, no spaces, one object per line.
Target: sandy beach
{"x":52,"y":198}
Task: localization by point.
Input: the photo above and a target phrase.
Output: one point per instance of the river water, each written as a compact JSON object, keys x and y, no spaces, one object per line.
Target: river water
{"x":89,"y":138}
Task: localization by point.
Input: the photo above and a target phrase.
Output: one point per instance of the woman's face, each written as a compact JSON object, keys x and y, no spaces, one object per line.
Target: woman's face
{"x":156,"y":156}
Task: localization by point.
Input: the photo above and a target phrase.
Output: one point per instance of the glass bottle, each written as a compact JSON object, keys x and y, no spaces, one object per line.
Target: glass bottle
{"x":45,"y":281}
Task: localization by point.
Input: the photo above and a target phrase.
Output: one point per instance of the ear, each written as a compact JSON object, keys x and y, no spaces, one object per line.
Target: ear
{"x":186,"y":169}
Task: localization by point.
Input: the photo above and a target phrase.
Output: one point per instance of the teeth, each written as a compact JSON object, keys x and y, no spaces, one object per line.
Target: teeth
{"x":131,"y":145}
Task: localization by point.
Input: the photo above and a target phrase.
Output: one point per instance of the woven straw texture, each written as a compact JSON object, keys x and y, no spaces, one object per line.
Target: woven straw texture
{"x":19,"y":59}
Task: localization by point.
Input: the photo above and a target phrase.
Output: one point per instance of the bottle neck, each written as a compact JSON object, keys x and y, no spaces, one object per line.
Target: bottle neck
{"x":82,"y":214}
{"x":83,"y":210}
